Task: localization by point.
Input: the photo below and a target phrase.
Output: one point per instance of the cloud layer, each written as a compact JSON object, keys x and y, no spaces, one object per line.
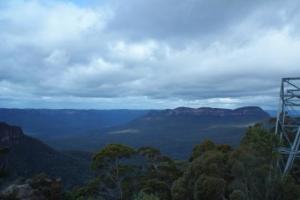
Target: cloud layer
{"x":146,"y":54}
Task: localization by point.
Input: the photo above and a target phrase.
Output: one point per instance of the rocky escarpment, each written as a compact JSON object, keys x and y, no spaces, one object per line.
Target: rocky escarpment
{"x":10,"y":135}
{"x":27,"y":156}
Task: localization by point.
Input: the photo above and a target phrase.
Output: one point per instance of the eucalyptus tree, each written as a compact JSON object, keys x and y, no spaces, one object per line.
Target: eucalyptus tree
{"x":112,"y":169}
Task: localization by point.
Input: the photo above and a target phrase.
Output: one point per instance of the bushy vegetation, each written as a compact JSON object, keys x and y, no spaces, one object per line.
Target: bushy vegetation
{"x":215,"y":172}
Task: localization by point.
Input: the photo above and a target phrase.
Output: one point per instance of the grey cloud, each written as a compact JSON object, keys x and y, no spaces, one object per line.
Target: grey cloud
{"x":206,"y":20}
{"x":131,"y":53}
{"x":179,"y":18}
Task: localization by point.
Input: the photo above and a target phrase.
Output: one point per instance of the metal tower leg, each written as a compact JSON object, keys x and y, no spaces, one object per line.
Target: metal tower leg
{"x":288,"y":123}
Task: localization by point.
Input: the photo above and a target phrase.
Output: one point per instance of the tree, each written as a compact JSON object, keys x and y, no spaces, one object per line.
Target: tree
{"x":180,"y":189}
{"x":89,"y":191}
{"x":159,"y":174}
{"x":205,"y":177}
{"x":237,"y":195}
{"x":152,"y":155}
{"x":207,"y":187}
{"x":199,"y":149}
{"x":252,"y":167}
{"x":112,"y":170}
{"x":145,"y":196}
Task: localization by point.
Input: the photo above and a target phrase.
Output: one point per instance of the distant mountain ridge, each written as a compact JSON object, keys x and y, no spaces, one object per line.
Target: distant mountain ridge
{"x":208,"y":111}
{"x":49,"y":123}
{"x":204,"y":116}
{"x":249,"y":110}
{"x":174,"y":131}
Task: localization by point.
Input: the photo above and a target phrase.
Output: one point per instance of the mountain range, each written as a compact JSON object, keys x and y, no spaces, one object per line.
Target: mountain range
{"x":57,"y":123}
{"x":174,"y":131}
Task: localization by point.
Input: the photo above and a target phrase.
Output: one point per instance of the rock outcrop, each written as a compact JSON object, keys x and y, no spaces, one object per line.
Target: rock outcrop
{"x":38,"y":188}
{"x":27,"y":156}
{"x":9,"y":135}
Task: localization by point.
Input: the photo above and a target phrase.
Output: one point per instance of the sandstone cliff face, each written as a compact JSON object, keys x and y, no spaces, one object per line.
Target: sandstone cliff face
{"x":10,"y":135}
{"x":26,"y":156}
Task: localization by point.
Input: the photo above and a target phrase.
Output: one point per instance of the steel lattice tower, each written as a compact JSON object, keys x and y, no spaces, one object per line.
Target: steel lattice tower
{"x":288,"y":123}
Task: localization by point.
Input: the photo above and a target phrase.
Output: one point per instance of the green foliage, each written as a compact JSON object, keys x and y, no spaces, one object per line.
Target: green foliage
{"x":180,"y":189}
{"x":225,"y":148}
{"x":90,"y":191}
{"x":149,"y":152}
{"x":207,"y":187}
{"x":253,"y":170}
{"x":110,"y":154}
{"x":199,"y":149}
{"x":248,"y":172}
{"x":160,"y":165}
{"x":237,"y":195}
{"x":261,"y":143}
{"x":145,"y":196}
{"x":205,"y":176}
{"x":160,"y":188}
{"x":159,"y":173}
{"x":111,"y":170}
{"x":285,"y":188}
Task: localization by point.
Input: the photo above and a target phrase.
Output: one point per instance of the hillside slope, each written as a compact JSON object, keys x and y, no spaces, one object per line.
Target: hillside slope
{"x":28,"y":156}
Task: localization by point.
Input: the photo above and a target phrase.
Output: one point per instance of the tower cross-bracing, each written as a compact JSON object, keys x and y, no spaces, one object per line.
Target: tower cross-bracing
{"x":288,"y":123}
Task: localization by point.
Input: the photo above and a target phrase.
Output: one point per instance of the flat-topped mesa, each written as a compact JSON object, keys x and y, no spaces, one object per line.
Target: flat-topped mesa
{"x":10,"y":135}
{"x":250,"y":110}
{"x":207,"y":111}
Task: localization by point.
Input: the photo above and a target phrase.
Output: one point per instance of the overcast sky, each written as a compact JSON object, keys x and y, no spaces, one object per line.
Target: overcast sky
{"x":146,"y":53}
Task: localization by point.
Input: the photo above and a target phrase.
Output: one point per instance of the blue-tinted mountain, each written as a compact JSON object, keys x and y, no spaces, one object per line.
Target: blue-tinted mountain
{"x":203,"y":116}
{"x":51,"y":123}
{"x":174,"y":131}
